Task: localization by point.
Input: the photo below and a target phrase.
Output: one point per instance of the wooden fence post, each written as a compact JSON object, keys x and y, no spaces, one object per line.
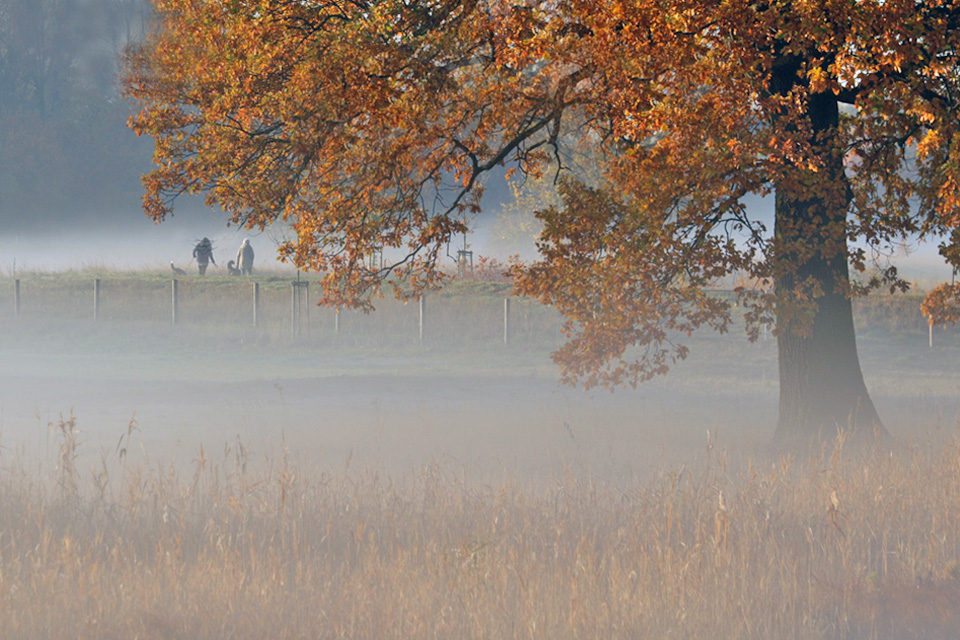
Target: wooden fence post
{"x":16,"y":299}
{"x":256,"y":304}
{"x":299,"y":306}
{"x":423,"y":313}
{"x":173,"y":301}
{"x":96,"y":299}
{"x":506,"y":321}
{"x":336,"y":321}
{"x":294,"y":310}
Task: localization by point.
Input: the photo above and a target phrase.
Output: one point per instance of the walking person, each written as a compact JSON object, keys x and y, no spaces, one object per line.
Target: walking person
{"x":203,"y":253}
{"x":245,"y":258}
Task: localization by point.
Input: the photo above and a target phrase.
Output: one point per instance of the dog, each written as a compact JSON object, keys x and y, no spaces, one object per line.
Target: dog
{"x":177,"y":271}
{"x":231,"y":269}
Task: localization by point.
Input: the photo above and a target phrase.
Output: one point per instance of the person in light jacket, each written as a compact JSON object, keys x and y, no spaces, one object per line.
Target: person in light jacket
{"x":245,"y":258}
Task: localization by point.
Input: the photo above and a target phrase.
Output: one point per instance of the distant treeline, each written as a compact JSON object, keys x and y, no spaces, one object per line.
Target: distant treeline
{"x":66,"y":154}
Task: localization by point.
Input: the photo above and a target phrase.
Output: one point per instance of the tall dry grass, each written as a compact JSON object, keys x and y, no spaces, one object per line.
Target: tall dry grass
{"x":836,"y":546}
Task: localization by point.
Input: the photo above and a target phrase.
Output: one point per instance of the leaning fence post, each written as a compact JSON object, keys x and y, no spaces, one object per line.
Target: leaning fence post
{"x":96,"y":299}
{"x":16,"y":299}
{"x":173,"y":301}
{"x":506,"y":321}
{"x":256,"y":304}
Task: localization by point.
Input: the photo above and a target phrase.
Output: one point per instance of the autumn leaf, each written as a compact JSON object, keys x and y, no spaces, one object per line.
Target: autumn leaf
{"x":371,"y":128}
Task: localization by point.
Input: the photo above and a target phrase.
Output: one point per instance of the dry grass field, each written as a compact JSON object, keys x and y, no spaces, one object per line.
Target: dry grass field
{"x":213,"y":480}
{"x":834,"y":546}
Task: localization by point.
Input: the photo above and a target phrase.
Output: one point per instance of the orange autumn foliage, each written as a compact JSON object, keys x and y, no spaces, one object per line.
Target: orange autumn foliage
{"x":372,"y":124}
{"x":941,"y":306}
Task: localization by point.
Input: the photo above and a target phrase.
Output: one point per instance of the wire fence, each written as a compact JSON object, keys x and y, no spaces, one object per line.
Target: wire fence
{"x":276,"y":308}
{"x":282,"y":308}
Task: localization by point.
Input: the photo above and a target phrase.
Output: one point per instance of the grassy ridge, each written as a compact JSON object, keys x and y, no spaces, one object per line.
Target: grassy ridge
{"x":865,"y":546}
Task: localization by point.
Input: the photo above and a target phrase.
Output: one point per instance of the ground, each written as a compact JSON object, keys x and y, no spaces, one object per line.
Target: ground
{"x":494,"y":411}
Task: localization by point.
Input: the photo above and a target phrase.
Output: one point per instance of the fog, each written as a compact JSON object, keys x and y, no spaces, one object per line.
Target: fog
{"x":136,"y":243}
{"x":69,"y":208}
{"x":365,"y":401}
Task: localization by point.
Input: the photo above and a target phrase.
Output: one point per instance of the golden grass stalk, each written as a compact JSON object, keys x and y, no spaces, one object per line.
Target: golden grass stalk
{"x":839,"y":546}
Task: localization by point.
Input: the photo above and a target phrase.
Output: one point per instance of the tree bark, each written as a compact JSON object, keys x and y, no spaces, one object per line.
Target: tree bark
{"x":822,"y":390}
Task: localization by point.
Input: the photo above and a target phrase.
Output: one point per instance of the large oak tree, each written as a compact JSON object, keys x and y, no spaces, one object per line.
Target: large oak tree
{"x":369,"y":123}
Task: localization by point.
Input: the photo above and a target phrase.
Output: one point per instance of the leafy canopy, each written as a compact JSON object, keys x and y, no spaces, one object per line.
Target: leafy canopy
{"x":371,"y":123}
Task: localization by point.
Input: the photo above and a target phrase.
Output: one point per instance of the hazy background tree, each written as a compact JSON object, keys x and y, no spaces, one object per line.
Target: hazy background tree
{"x":66,"y":157}
{"x":515,"y":227}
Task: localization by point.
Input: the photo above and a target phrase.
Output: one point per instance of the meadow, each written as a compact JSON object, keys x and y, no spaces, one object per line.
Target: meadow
{"x":103,"y":535}
{"x":832,"y":546}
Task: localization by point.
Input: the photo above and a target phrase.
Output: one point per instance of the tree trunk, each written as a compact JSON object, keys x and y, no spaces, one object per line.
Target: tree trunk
{"x":822,"y":390}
